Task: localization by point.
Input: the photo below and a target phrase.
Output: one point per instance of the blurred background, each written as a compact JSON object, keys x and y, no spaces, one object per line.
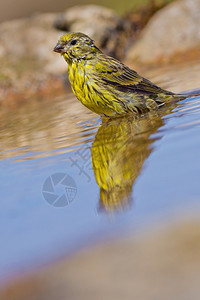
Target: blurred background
{"x":130,"y":228}
{"x":12,"y":9}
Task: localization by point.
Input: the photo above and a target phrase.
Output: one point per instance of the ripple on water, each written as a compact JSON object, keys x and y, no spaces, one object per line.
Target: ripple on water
{"x":128,"y":173}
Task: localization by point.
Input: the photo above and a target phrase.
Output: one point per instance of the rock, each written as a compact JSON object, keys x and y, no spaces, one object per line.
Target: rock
{"x":172,"y":30}
{"x":28,"y":63}
{"x":30,"y":38}
{"x":101,"y":24}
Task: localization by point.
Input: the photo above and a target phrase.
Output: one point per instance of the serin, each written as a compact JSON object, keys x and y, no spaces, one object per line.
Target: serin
{"x":105,"y":85}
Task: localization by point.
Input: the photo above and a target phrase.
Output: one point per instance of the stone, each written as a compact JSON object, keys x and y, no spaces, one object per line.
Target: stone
{"x":100,"y":23}
{"x":28,"y":62}
{"x":172,"y":30}
{"x":31,"y":38}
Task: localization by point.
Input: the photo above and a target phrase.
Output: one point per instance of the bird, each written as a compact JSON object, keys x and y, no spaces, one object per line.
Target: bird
{"x":105,"y":85}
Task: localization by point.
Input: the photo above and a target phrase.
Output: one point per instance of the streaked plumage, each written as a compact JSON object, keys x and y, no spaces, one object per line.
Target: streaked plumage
{"x":105,"y":85}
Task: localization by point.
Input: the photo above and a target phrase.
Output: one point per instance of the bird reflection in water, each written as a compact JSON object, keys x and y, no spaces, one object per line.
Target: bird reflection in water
{"x":118,"y":153}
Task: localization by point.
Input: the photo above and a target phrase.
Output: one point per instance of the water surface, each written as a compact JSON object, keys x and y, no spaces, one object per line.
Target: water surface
{"x":68,"y":179}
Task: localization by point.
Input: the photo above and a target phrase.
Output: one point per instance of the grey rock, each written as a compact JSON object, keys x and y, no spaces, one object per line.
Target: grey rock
{"x":26,"y":46}
{"x":100,"y":23}
{"x":173,"y":29}
{"x":28,"y":64}
{"x":31,"y":38}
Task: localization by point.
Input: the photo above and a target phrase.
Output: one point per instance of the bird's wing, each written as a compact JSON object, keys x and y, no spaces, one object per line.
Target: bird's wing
{"x":123,"y":78}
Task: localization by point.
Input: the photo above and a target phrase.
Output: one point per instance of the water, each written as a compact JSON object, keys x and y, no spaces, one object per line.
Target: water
{"x":69,"y":180}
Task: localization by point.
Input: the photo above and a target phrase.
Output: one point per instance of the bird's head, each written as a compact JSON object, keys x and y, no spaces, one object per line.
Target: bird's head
{"x":76,"y":46}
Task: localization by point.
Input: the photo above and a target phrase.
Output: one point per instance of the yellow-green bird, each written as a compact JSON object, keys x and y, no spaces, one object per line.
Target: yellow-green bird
{"x":105,"y":85}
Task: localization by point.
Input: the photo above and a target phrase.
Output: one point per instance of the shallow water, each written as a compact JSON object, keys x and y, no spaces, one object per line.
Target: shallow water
{"x":69,"y":180}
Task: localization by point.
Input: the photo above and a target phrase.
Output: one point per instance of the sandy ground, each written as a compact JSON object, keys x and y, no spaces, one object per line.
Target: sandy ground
{"x":164,"y":264}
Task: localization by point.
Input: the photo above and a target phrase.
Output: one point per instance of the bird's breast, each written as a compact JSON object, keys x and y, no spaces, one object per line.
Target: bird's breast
{"x":88,"y":89}
{"x":79,"y":80}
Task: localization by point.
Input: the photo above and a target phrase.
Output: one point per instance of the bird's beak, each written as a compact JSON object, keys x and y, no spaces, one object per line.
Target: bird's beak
{"x":59,"y":48}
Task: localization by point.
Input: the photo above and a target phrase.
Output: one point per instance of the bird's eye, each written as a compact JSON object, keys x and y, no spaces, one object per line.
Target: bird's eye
{"x":73,"y":42}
